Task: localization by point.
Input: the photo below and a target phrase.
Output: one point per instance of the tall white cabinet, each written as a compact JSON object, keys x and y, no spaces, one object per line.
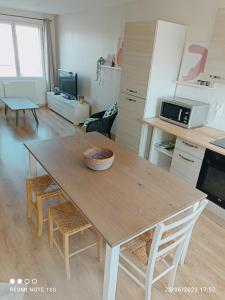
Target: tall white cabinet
{"x":215,"y":65}
{"x":152,"y":57}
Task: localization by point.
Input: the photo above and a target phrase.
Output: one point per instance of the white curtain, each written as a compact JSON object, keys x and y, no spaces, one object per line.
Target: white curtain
{"x":49,"y":56}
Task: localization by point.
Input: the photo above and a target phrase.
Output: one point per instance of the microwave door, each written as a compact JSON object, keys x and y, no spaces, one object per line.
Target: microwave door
{"x":171,"y":111}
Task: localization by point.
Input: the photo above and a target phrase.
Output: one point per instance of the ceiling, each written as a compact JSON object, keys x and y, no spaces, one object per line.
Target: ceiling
{"x":59,"y":6}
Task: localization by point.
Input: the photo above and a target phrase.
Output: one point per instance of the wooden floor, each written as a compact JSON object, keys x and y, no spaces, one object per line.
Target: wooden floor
{"x":23,"y":255}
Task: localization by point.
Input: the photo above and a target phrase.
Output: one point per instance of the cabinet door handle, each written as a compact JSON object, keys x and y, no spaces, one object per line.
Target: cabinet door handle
{"x":187,"y":159}
{"x":189,"y":145}
{"x":131,"y":100}
{"x":180,"y":112}
{"x":132,"y":91}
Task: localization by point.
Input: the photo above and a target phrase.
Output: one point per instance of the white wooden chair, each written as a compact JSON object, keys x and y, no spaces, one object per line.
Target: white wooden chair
{"x":170,"y":238}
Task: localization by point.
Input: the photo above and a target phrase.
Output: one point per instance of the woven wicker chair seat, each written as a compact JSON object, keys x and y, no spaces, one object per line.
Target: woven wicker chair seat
{"x":139,"y":248}
{"x":68,"y":219}
{"x":43,"y":185}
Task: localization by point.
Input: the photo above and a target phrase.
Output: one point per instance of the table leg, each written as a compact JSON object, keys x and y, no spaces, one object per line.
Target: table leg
{"x":17,"y":117}
{"x":32,"y":166}
{"x":35,"y":115}
{"x":110,"y":273}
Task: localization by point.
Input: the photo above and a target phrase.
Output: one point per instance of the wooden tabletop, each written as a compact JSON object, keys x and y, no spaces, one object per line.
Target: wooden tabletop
{"x":120,"y":202}
{"x":201,"y":136}
{"x":19,"y":103}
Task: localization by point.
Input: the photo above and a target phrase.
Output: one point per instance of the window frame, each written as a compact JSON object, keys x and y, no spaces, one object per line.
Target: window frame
{"x":15,"y":45}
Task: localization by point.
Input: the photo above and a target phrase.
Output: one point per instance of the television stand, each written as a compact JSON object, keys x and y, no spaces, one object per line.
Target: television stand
{"x":71,"y":110}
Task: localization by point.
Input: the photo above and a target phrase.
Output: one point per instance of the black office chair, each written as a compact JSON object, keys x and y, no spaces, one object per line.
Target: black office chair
{"x":103,"y":125}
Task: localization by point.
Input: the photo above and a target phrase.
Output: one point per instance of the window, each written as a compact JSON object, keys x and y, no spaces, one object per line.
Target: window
{"x":7,"y":54}
{"x":21,"y":50}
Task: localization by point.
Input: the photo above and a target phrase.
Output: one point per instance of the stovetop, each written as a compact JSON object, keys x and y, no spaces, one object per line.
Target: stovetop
{"x":220,"y":143}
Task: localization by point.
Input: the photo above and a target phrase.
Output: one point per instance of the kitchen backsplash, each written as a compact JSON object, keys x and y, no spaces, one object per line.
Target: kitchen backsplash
{"x":216,"y":99}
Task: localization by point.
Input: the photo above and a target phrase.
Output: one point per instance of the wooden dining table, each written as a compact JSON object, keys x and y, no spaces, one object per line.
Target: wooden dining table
{"x":128,"y":199}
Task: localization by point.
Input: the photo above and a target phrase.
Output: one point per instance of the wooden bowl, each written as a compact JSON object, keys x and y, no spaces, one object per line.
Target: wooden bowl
{"x":98,"y":159}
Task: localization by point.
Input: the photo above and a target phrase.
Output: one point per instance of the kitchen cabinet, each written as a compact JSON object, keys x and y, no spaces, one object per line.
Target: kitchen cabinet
{"x":215,"y":65}
{"x":152,"y":56}
{"x":187,"y":161}
{"x":190,"y":148}
{"x":138,"y":49}
{"x":128,"y":121}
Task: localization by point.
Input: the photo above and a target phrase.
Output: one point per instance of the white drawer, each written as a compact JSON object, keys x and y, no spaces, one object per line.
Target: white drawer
{"x":57,"y":108}
{"x":185,"y":166}
{"x":192,"y":180}
{"x":190,"y":148}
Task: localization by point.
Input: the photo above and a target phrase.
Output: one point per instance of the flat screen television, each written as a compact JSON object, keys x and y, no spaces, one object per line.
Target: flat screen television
{"x":67,"y":83}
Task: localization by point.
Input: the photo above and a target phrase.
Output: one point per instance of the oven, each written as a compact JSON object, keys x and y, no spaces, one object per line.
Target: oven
{"x":212,"y":177}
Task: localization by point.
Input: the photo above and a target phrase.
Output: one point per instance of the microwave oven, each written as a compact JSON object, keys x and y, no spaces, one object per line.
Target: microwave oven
{"x":184,"y":112}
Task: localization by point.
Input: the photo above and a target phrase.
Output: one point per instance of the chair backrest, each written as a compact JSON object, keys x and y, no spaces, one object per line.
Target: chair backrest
{"x":170,"y":237}
{"x":110,"y":121}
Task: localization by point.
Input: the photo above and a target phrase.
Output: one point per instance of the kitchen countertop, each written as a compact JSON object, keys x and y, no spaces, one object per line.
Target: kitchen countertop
{"x":200,"y":136}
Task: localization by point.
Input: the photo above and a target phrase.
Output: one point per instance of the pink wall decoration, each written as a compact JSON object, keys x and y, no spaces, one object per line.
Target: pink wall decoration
{"x":119,"y":55}
{"x":194,"y":61}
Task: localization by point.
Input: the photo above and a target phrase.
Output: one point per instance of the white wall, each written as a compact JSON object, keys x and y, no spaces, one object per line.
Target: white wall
{"x":82,"y":40}
{"x":85,"y":37}
{"x":22,"y":84}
